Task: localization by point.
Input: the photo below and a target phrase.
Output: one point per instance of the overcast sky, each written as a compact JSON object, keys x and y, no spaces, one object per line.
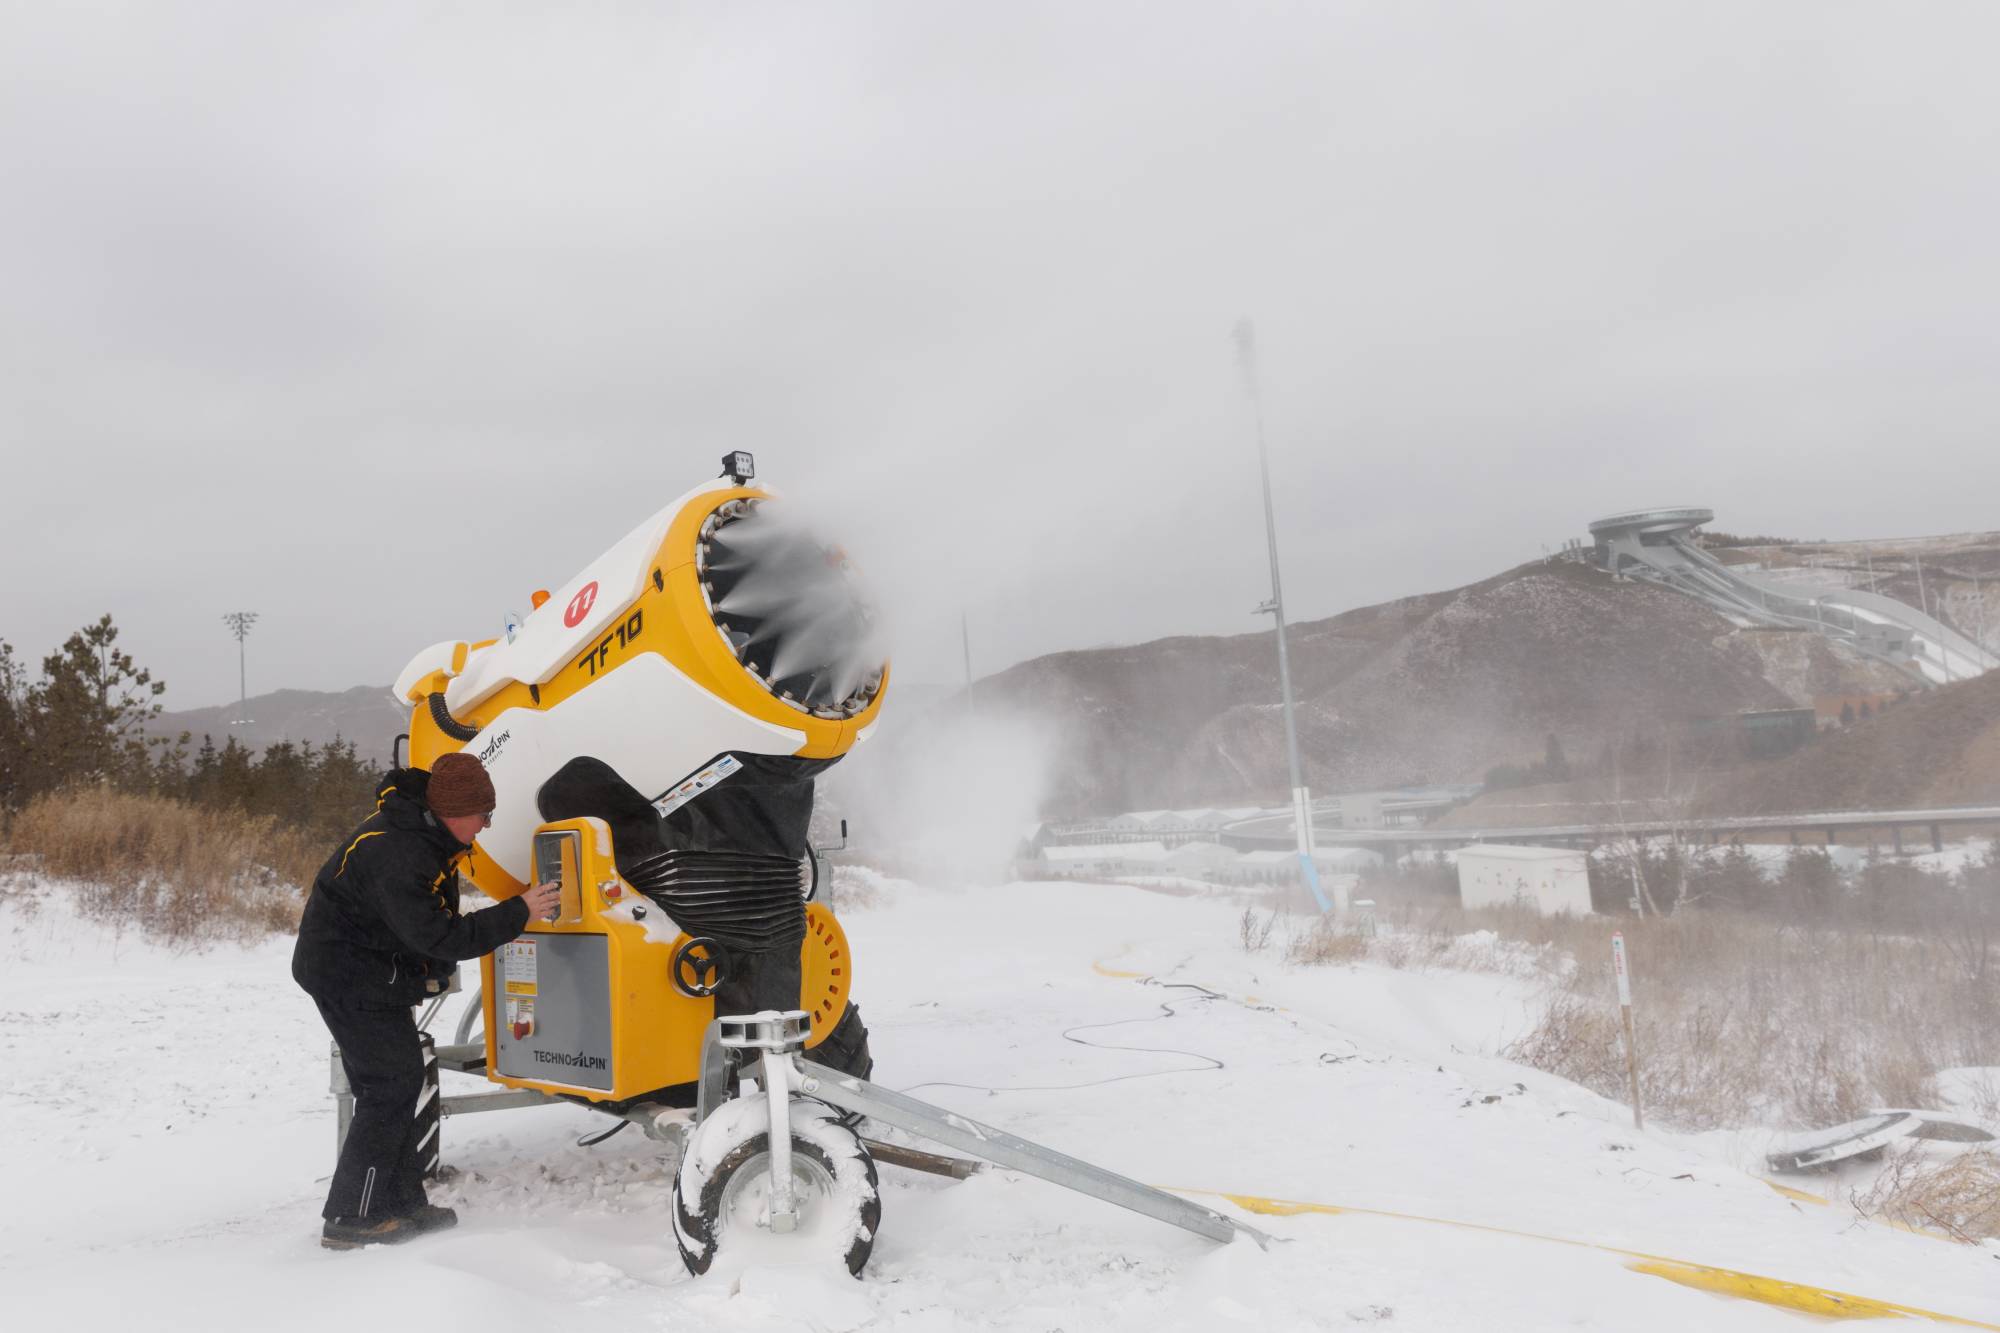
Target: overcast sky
{"x":373,"y":319}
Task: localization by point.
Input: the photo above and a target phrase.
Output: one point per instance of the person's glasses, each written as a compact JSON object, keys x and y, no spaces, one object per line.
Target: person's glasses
{"x":486,"y":820}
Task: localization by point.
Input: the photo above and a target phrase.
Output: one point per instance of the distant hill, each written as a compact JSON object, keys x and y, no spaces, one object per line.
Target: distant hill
{"x":364,"y":715}
{"x":1940,"y":748}
{"x":1435,"y":688}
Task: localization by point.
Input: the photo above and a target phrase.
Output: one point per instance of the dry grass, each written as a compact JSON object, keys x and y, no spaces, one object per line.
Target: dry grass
{"x":1253,"y":929}
{"x":1956,"y":1195}
{"x":1740,"y":1019}
{"x":1325,"y":942}
{"x":178,"y":872}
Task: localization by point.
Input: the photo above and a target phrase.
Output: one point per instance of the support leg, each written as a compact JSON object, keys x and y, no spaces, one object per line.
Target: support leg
{"x":778,"y":1092}
{"x":998,"y":1146}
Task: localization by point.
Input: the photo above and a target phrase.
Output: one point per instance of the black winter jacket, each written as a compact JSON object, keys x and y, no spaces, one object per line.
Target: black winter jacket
{"x":382,"y":926}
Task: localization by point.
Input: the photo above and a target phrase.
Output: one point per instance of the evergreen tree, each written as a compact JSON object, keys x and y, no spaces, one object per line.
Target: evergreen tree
{"x":280,"y":783}
{"x":13,"y":729}
{"x":235,"y":776}
{"x":1555,"y":764}
{"x":203,"y":779}
{"x":1810,"y":885}
{"x":86,"y":717}
{"x":343,"y":788}
{"x":84,"y":722}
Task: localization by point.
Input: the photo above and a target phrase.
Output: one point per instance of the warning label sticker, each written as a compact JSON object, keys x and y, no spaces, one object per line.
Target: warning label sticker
{"x":521,"y":1018}
{"x":696,"y":783}
{"x":517,"y":967}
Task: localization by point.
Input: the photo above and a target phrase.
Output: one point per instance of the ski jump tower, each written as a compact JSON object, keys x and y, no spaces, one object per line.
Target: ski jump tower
{"x":1657,"y":545}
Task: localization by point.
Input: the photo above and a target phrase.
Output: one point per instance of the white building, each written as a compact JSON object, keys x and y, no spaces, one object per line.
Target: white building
{"x":1281,"y":866}
{"x":1554,"y":881}
{"x":1345,"y":860}
{"x":1202,"y":860}
{"x":1267,"y":866}
{"x":1105,"y":859}
{"x":1135,"y":824}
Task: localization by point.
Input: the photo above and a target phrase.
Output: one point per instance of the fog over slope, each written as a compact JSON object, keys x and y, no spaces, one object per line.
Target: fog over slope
{"x":1435,"y":688}
{"x":365,"y":715}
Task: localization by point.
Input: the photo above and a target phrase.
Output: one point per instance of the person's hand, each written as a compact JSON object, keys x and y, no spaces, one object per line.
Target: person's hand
{"x":543,"y":901}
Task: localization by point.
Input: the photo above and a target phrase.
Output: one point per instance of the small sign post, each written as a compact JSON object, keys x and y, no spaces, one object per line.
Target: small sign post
{"x":1625,"y":1009}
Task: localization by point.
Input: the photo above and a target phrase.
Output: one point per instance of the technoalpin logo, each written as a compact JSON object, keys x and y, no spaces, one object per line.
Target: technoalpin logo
{"x":577,"y":1061}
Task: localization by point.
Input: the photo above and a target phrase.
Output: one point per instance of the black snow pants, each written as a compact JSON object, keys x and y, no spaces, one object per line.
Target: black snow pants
{"x":381,"y":1172}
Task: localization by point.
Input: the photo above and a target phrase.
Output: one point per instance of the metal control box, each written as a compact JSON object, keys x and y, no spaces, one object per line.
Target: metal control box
{"x":555,"y":1010}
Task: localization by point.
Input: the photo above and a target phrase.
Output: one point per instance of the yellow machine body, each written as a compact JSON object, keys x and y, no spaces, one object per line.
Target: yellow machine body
{"x":680,"y":693}
{"x":644,"y":599}
{"x":586,"y":1005}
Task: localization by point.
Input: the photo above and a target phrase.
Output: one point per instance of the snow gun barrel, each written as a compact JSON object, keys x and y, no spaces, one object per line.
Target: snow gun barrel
{"x":720,"y":635}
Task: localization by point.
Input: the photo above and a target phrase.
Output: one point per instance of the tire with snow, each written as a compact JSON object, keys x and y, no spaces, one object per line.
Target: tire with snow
{"x":846,"y":1047}
{"x":722,"y":1190}
{"x":846,"y":1051}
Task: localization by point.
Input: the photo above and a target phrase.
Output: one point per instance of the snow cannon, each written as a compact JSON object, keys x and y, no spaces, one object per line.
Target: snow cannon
{"x":653,"y":729}
{"x":718,"y":650}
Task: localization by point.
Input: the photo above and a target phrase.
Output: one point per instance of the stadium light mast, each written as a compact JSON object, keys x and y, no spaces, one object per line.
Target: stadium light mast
{"x":239,"y":623}
{"x":1246,"y":361}
{"x":965,"y":641}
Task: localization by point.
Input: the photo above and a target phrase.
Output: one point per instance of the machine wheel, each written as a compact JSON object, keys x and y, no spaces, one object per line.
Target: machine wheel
{"x":846,"y":1047}
{"x":721,"y":1192}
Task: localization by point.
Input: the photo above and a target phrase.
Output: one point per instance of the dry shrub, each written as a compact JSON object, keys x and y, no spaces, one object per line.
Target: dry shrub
{"x":1253,"y":929}
{"x":183,"y":873}
{"x":1325,"y":942}
{"x":1436,"y":936}
{"x":1957,"y":1195}
{"x":1575,"y":1039}
{"x":1982,"y":1094}
{"x":1741,"y":1020}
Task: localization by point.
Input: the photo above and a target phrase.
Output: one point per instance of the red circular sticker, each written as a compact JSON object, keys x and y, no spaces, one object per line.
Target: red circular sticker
{"x":579,"y":605}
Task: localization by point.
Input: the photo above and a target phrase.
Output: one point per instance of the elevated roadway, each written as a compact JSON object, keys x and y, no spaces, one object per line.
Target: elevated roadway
{"x":1265,"y":831}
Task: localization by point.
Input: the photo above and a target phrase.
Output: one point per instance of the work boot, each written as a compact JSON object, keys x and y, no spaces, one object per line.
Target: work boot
{"x":426,"y":1217}
{"x":351,"y":1233}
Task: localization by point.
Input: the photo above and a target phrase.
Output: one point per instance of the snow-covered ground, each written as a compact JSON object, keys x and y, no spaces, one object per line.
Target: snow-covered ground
{"x":165,"y":1132}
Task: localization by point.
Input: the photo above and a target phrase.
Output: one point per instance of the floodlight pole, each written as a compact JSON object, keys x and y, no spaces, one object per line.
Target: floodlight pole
{"x":965,"y":641}
{"x":1246,"y":359}
{"x":239,"y":623}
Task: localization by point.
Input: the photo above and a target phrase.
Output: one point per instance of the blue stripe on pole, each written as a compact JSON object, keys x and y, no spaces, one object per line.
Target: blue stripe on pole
{"x":1312,"y":882}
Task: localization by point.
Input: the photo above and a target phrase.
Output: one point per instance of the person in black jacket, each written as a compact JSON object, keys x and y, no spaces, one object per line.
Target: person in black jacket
{"x":381,"y":932}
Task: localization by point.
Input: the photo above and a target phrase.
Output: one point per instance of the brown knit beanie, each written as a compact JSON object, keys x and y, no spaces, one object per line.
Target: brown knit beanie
{"x":459,"y":786}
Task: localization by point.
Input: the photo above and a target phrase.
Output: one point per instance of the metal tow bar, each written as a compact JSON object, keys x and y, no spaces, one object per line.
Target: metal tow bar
{"x":1008,"y":1150}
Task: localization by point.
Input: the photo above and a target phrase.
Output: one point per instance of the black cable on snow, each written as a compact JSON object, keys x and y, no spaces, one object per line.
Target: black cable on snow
{"x":592,"y":1140}
{"x":1167,"y":1008}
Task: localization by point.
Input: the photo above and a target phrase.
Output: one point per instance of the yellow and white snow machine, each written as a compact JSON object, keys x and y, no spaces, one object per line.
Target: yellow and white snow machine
{"x":653,"y":729}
